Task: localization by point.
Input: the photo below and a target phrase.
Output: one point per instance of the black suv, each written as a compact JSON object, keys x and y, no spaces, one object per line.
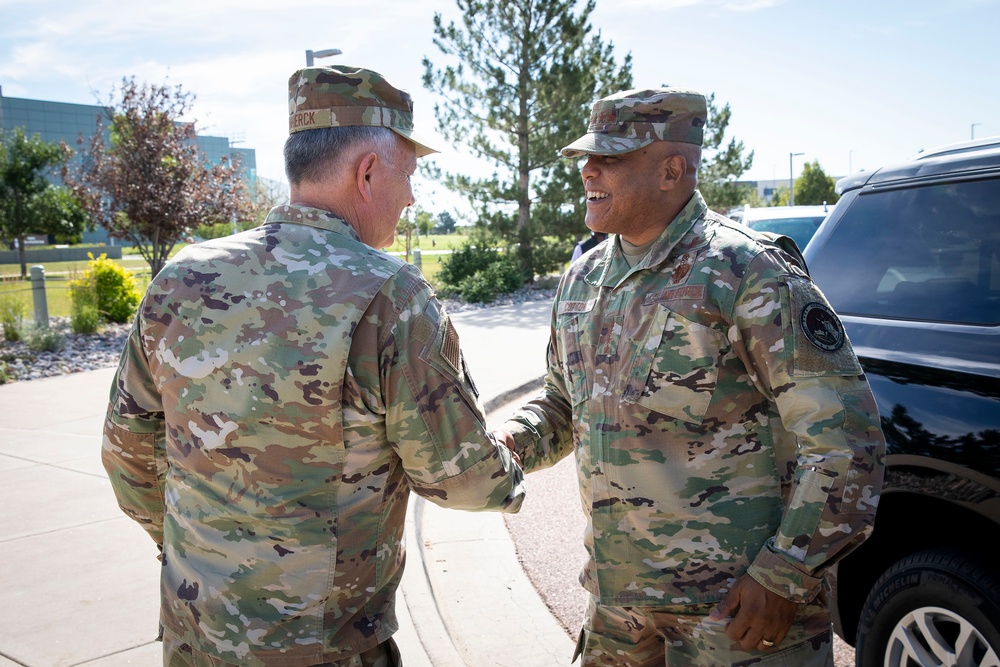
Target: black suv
{"x":910,"y":259}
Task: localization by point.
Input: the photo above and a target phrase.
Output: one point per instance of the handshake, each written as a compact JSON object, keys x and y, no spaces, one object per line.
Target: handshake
{"x":504,"y":438}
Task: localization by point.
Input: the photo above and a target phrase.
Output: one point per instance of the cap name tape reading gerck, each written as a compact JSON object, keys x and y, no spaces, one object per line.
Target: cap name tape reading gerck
{"x":822,"y":327}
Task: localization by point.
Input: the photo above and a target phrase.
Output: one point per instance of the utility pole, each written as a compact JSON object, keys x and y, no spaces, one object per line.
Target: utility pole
{"x":791,"y":179}
{"x":325,"y":53}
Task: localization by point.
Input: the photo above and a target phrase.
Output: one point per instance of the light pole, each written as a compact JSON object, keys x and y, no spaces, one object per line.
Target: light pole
{"x":974,"y":130}
{"x":850,"y":161}
{"x":791,"y":180}
{"x":325,"y":53}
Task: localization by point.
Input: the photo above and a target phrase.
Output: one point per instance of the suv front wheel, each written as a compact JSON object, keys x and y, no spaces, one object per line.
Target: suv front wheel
{"x":936,"y":607}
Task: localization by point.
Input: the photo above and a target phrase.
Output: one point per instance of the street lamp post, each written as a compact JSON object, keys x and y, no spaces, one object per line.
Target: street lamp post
{"x":325,"y":53}
{"x":791,"y":180}
{"x":973,"y":129}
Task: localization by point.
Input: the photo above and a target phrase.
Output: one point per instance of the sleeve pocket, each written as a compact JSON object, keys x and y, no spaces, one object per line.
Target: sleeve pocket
{"x":570,"y":330}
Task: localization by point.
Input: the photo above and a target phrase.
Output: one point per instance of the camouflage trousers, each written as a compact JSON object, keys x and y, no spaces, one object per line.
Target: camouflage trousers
{"x":684,"y":636}
{"x":179,"y":654}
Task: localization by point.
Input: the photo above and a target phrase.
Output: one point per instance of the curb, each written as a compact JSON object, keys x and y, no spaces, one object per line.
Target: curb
{"x":468,"y":597}
{"x":506,"y":397}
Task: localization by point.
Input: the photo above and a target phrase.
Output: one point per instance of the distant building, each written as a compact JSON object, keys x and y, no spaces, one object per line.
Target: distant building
{"x":767,"y":189}
{"x":60,"y":121}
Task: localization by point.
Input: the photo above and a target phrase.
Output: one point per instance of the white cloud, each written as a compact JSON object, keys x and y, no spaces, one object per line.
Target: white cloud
{"x":668,"y":5}
{"x":751,"y":5}
{"x":802,"y":76}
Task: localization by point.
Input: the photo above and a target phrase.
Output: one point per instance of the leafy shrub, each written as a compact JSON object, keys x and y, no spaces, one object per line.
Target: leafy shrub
{"x":506,"y":274}
{"x":12,"y":318}
{"x":115,"y":288}
{"x":44,"y":339}
{"x":500,"y":277}
{"x":465,"y":262}
{"x":84,"y":316}
{"x":5,"y":376}
{"x":477,"y":288}
{"x":549,"y":255}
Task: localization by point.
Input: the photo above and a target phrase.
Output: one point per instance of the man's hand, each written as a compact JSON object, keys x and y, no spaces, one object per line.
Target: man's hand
{"x":760,"y":618}
{"x":507,"y":440}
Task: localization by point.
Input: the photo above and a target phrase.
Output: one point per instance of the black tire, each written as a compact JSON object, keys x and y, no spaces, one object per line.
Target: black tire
{"x":934,"y":608}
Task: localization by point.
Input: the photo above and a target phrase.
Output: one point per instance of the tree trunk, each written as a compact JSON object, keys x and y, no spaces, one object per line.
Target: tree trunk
{"x":156,"y":261}
{"x":523,"y":172}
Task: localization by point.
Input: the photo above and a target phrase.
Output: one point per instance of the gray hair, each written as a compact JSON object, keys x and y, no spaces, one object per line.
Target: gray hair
{"x":314,"y":154}
{"x":691,"y":153}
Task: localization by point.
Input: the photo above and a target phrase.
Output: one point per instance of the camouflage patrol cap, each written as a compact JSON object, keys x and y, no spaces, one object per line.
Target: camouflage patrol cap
{"x":339,"y":96}
{"x":629,"y":120}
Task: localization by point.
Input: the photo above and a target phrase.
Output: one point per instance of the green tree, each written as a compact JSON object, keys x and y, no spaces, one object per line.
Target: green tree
{"x":445,"y":223}
{"x":526,"y":74}
{"x":722,"y":163}
{"x":150,"y":185}
{"x":780,"y":196}
{"x":59,"y":213}
{"x":423,"y":220}
{"x":29,"y":202}
{"x":814,"y":186}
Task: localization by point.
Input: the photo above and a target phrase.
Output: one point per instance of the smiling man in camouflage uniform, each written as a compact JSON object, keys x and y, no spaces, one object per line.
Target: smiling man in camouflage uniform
{"x":281,"y":393}
{"x":727,"y":443}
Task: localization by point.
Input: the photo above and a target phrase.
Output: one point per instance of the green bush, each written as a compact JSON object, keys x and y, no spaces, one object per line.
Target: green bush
{"x":84,"y":316}
{"x":115,"y":288}
{"x":465,"y":262}
{"x":12,"y":318}
{"x":44,"y":339}
{"x":477,"y":288}
{"x":506,"y":274}
{"x":501,"y":277}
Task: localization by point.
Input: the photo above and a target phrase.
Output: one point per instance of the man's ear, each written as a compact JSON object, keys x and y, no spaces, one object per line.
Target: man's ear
{"x":674,"y":169}
{"x":364,"y":174}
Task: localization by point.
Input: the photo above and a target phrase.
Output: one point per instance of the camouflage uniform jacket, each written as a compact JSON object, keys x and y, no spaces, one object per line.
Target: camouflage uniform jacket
{"x":281,"y":392}
{"x":712,"y":437}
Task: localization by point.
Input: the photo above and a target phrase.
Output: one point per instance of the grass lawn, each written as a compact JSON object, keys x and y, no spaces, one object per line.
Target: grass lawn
{"x":59,"y":274}
{"x":56,"y":292}
{"x":57,"y":278}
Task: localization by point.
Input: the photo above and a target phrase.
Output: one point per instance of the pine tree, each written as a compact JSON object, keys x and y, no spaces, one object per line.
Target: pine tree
{"x":526,"y":74}
{"x":721,"y":167}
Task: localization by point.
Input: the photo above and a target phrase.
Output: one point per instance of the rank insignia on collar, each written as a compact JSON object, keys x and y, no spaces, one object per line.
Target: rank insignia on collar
{"x":822,"y":327}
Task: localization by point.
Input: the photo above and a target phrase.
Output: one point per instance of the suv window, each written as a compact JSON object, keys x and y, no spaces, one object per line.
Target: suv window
{"x":921,"y":253}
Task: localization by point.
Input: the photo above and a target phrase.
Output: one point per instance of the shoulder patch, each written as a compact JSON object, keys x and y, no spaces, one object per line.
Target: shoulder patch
{"x":822,"y":327}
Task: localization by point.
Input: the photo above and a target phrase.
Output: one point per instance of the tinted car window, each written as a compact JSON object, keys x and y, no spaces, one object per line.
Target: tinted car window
{"x":800,"y":229}
{"x":927,"y":253}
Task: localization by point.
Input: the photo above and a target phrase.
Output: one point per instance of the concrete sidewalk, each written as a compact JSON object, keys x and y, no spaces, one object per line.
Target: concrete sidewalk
{"x":79,"y":580}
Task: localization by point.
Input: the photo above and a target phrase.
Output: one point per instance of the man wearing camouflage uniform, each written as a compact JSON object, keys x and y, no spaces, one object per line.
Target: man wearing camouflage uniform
{"x":727,"y":443}
{"x":281,"y":393}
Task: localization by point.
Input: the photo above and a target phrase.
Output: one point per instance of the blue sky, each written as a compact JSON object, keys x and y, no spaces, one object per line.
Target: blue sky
{"x":852,"y":84}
